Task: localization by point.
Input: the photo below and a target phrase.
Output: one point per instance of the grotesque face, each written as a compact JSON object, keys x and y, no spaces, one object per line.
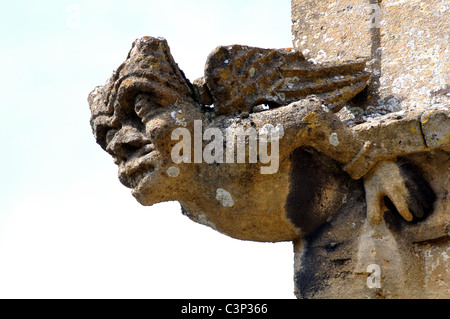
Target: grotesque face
{"x":142,"y":145}
{"x":134,"y":114}
{"x":131,"y":148}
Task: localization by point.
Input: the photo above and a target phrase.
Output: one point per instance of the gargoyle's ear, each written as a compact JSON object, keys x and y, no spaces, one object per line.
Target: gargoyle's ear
{"x":101,"y":115}
{"x":318,"y":187}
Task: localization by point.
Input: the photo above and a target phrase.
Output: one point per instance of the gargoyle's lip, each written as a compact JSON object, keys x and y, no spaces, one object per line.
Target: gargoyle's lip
{"x":136,"y":169}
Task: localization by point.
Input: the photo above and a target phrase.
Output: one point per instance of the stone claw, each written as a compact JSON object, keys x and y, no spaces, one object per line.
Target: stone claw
{"x":397,"y":186}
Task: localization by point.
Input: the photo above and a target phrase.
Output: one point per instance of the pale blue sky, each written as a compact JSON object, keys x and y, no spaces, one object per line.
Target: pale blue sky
{"x":68,"y":228}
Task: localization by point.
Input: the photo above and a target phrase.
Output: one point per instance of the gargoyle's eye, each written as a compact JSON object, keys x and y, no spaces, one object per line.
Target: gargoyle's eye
{"x":110,"y":135}
{"x":145,"y":107}
{"x":141,"y":103}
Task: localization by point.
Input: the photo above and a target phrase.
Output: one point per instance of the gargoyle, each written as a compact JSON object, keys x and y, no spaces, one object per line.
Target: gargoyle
{"x":143,"y":111}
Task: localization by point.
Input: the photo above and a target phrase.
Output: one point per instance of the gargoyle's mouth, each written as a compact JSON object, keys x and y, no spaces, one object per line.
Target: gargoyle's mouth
{"x":136,"y":170}
{"x":133,"y":180}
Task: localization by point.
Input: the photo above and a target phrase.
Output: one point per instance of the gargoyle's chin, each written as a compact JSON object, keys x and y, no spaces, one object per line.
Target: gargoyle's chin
{"x":150,"y":190}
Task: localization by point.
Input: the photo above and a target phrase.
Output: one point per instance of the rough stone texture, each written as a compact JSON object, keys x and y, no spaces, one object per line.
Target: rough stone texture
{"x":407,"y":43}
{"x":332,"y":30}
{"x":413,"y":257}
{"x":355,"y":196}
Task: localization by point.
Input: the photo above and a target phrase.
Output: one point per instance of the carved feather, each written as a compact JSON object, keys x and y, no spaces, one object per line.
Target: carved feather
{"x":238,"y":77}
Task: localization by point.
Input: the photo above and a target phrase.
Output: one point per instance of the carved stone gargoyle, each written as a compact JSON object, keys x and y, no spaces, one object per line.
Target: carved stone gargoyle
{"x":174,"y":140}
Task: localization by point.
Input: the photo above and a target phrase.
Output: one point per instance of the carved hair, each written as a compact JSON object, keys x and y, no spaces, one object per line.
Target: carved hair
{"x":149,"y":68}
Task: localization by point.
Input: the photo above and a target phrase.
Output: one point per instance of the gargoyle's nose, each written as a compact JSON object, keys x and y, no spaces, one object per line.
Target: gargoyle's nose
{"x":126,"y":142}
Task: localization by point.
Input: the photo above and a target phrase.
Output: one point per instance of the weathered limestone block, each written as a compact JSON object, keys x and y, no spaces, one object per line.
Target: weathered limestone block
{"x":332,"y":30}
{"x":415,"y":56}
{"x":436,"y":127}
{"x":407,"y":43}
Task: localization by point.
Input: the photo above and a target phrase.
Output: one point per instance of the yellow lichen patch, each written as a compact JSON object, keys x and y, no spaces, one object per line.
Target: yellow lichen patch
{"x":312,"y":120}
{"x":126,"y":82}
{"x":445,"y":139}
{"x":426,"y":117}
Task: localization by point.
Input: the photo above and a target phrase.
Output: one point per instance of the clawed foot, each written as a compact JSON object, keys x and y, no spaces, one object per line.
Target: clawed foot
{"x":400,"y":184}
